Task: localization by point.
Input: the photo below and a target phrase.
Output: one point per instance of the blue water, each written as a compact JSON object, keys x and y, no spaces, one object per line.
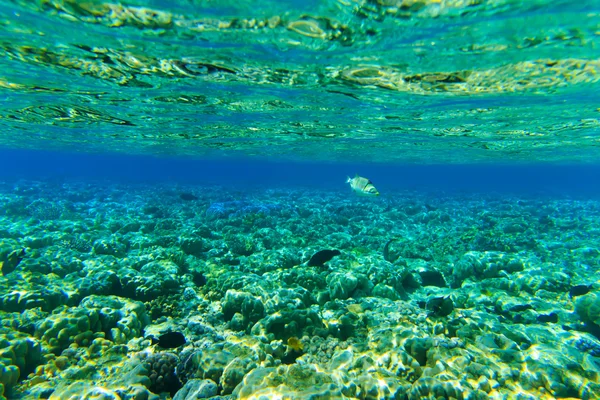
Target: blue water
{"x":528,"y":179}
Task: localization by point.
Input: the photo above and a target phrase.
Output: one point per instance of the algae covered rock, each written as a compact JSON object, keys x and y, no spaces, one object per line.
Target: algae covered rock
{"x":113,"y":391}
{"x":161,"y":371}
{"x":481,"y":265}
{"x":341,"y":285}
{"x":249,"y":308}
{"x":290,"y":299}
{"x":197,"y":389}
{"x":117,"y":318}
{"x":152,"y":280}
{"x":122,"y":318}
{"x":290,"y":323}
{"x":294,"y":381}
{"x":47,"y":298}
{"x":19,"y":356}
{"x":588,"y":308}
{"x":224,"y":363}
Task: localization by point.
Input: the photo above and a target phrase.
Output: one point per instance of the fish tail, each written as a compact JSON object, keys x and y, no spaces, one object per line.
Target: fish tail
{"x":348,"y":180}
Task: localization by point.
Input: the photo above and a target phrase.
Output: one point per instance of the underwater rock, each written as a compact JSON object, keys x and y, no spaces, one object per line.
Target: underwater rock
{"x":121,"y":318}
{"x":587,"y":308}
{"x":285,"y":324}
{"x":300,"y":382}
{"x":45,"y":298}
{"x":321,"y":257}
{"x":101,"y":283}
{"x":429,"y":387}
{"x":386,"y":292}
{"x":480,"y":265}
{"x":129,"y":386}
{"x":194,"y":246}
{"x":240,"y":245}
{"x":154,"y":279}
{"x":224,"y":363}
{"x":160,"y":369}
{"x":19,"y":356}
{"x":197,"y":389}
{"x":291,"y":299}
{"x":250,"y":308}
{"x":341,"y":285}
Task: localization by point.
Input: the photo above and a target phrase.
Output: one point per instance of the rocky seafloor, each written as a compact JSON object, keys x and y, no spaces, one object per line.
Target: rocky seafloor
{"x":116,"y":291}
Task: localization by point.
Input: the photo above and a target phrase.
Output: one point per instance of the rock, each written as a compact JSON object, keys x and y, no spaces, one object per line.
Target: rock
{"x":197,"y":389}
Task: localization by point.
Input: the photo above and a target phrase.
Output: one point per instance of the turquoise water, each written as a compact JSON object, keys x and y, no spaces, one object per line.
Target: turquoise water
{"x":176,"y":221}
{"x":379,"y":81}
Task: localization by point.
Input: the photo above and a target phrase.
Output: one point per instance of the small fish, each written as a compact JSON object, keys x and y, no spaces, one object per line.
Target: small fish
{"x":169,"y":340}
{"x":362,"y":186}
{"x":187,"y":196}
{"x":579,"y":290}
{"x":355,"y":308}
{"x":321,"y":257}
{"x":12,"y":261}
{"x":552,"y":318}
{"x":295,"y":344}
{"x":386,"y":250}
{"x":439,"y":306}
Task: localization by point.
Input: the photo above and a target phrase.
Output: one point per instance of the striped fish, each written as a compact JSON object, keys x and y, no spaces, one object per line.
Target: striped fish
{"x":362,"y":186}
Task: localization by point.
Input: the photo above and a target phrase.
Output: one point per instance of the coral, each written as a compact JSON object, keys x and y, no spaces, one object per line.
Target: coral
{"x":116,"y":318}
{"x":197,"y":389}
{"x":289,"y":323}
{"x":224,"y":363}
{"x":345,"y":285}
{"x":193,"y":246}
{"x":294,"y":381}
{"x":19,"y":355}
{"x":588,"y":308}
{"x":240,"y":245}
{"x":154,"y":279}
{"x":76,"y":243}
{"x":110,"y":247}
{"x":250,"y":308}
{"x":45,"y":211}
{"x":161,"y":371}
{"x":483,"y":265}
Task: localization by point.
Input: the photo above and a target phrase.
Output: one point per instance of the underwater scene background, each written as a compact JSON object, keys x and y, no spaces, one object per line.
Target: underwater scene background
{"x":184,"y":210}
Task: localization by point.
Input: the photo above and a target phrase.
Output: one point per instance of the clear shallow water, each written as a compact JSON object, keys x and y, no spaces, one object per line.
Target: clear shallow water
{"x":172,"y":171}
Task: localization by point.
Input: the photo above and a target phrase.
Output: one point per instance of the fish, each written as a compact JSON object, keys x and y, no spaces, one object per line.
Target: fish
{"x":187,"y":196}
{"x":321,"y":257}
{"x":295,"y":344}
{"x":579,"y":290}
{"x":362,"y":186}
{"x":12,"y":261}
{"x":169,"y":340}
{"x":386,"y":250}
{"x":439,"y":306}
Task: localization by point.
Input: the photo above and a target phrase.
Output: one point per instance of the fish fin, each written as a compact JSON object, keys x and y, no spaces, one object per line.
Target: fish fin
{"x":348,"y":180}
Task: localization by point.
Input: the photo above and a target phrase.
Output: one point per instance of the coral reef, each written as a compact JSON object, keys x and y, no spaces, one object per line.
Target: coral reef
{"x":215,"y":298}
